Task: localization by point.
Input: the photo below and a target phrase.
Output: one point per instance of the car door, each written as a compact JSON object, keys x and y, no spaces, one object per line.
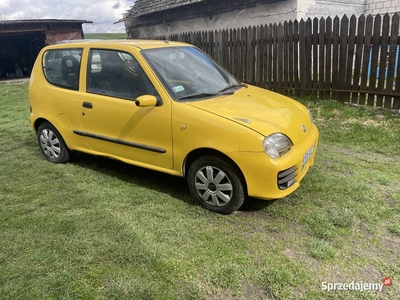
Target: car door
{"x":111,"y":122}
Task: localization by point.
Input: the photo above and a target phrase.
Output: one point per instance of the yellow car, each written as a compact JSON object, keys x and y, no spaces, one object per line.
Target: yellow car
{"x":169,"y":107}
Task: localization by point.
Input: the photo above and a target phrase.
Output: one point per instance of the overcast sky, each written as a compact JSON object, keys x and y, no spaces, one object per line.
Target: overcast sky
{"x":103,"y":13}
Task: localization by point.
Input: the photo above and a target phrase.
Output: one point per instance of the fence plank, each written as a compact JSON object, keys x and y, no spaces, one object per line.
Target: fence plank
{"x":231,"y":45}
{"x":382,"y":62}
{"x":335,"y":55}
{"x":321,"y":55}
{"x":232,"y":58}
{"x":212,"y":43}
{"x":358,"y":58}
{"x":328,"y":60}
{"x":366,"y":58}
{"x":286,"y":57}
{"x":396,"y":100}
{"x":344,"y":30}
{"x":315,"y":45}
{"x":290,"y":58}
{"x":392,"y":59}
{"x":275,"y":56}
{"x":350,"y":56}
{"x":279,"y":56}
{"x":262,"y":55}
{"x":270,"y":55}
{"x":296,"y":80}
{"x":374,"y":60}
{"x":242,"y":65}
{"x":309,"y":54}
{"x":259,"y":55}
{"x":248,"y":55}
{"x":302,"y":56}
{"x":225,"y":48}
{"x":253,"y":55}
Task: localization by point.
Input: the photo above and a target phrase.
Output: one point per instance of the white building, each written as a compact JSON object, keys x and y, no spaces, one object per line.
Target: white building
{"x":148,"y":18}
{"x":374,"y":7}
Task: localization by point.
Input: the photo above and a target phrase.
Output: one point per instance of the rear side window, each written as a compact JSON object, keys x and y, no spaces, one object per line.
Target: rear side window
{"x":61,"y":67}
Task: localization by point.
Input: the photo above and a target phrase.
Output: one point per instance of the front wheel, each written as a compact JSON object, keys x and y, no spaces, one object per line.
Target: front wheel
{"x":217,"y":184}
{"x":52,"y":144}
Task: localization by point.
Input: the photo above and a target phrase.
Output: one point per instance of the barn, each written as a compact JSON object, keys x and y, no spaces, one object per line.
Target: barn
{"x":21,"y":41}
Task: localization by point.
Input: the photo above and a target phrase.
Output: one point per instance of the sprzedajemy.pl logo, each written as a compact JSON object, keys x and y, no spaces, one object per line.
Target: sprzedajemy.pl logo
{"x":356,"y":286}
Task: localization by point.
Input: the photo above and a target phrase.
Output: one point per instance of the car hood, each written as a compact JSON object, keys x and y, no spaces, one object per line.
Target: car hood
{"x":261,"y":110}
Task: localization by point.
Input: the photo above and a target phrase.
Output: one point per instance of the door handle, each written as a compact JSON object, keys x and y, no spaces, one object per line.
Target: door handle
{"x":87,"y":104}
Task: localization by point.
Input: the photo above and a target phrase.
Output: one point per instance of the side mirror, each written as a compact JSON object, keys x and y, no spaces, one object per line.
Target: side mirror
{"x":147,"y":101}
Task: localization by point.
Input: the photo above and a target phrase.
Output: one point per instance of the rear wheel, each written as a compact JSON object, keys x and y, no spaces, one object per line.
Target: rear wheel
{"x":217,"y":184}
{"x":52,"y":144}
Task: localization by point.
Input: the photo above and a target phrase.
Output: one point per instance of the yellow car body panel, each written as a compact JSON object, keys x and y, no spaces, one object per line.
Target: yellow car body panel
{"x":268,"y":112}
{"x":233,"y":124}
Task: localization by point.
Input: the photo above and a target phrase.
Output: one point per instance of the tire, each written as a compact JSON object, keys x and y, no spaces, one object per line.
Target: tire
{"x":52,"y":144}
{"x":217,"y":184}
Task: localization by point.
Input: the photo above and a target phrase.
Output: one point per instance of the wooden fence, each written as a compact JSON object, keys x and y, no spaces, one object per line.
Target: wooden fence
{"x":352,"y":60}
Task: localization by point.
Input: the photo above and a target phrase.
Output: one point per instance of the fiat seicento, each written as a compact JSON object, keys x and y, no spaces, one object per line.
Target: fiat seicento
{"x":169,"y":107}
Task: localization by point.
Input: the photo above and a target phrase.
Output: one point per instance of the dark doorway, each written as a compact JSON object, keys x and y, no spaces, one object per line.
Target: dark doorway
{"x":18,"y":52}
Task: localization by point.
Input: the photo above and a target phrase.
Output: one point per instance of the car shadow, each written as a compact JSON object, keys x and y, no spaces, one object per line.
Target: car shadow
{"x":255,"y":205}
{"x":174,"y":186}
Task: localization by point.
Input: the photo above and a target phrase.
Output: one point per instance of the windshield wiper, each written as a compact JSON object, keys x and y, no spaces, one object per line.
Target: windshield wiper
{"x":201,"y":95}
{"x":220,"y":93}
{"x":233,"y":86}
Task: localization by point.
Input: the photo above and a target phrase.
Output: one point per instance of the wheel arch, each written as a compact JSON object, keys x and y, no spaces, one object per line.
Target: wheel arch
{"x":40,"y":121}
{"x":193,"y":155}
{"x":52,"y":145}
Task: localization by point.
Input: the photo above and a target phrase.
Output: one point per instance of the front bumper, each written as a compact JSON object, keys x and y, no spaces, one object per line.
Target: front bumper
{"x":268,"y":178}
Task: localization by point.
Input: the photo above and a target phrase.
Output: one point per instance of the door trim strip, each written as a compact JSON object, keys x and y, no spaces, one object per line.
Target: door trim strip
{"x":120,"y":142}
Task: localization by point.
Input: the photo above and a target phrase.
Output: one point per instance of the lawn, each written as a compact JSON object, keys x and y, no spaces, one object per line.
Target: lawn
{"x":99,"y":229}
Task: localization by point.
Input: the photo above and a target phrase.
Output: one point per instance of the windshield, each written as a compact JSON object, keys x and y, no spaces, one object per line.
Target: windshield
{"x":189,"y":73}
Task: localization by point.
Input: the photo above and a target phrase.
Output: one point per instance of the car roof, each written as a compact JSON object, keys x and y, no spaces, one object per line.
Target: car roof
{"x":141,"y":44}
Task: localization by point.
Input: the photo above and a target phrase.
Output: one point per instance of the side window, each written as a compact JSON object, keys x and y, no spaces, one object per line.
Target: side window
{"x":117,"y":74}
{"x":61,"y":67}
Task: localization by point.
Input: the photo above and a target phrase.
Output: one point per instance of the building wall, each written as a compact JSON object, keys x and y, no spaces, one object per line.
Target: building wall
{"x":259,"y":15}
{"x":374,"y":7}
{"x":317,"y":8}
{"x":53,"y":37}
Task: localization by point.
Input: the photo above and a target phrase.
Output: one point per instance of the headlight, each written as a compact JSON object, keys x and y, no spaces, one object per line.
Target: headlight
{"x":309,"y":113}
{"x":276,"y":145}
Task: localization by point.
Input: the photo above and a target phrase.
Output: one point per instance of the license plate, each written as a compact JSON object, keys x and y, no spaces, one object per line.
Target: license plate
{"x":307,"y":156}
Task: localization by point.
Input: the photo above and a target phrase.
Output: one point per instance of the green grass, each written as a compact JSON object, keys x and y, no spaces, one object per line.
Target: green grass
{"x":105,"y":36}
{"x":100,"y":229}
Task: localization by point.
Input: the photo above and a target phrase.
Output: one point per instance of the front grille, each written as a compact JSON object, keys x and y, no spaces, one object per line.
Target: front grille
{"x":286,"y":178}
